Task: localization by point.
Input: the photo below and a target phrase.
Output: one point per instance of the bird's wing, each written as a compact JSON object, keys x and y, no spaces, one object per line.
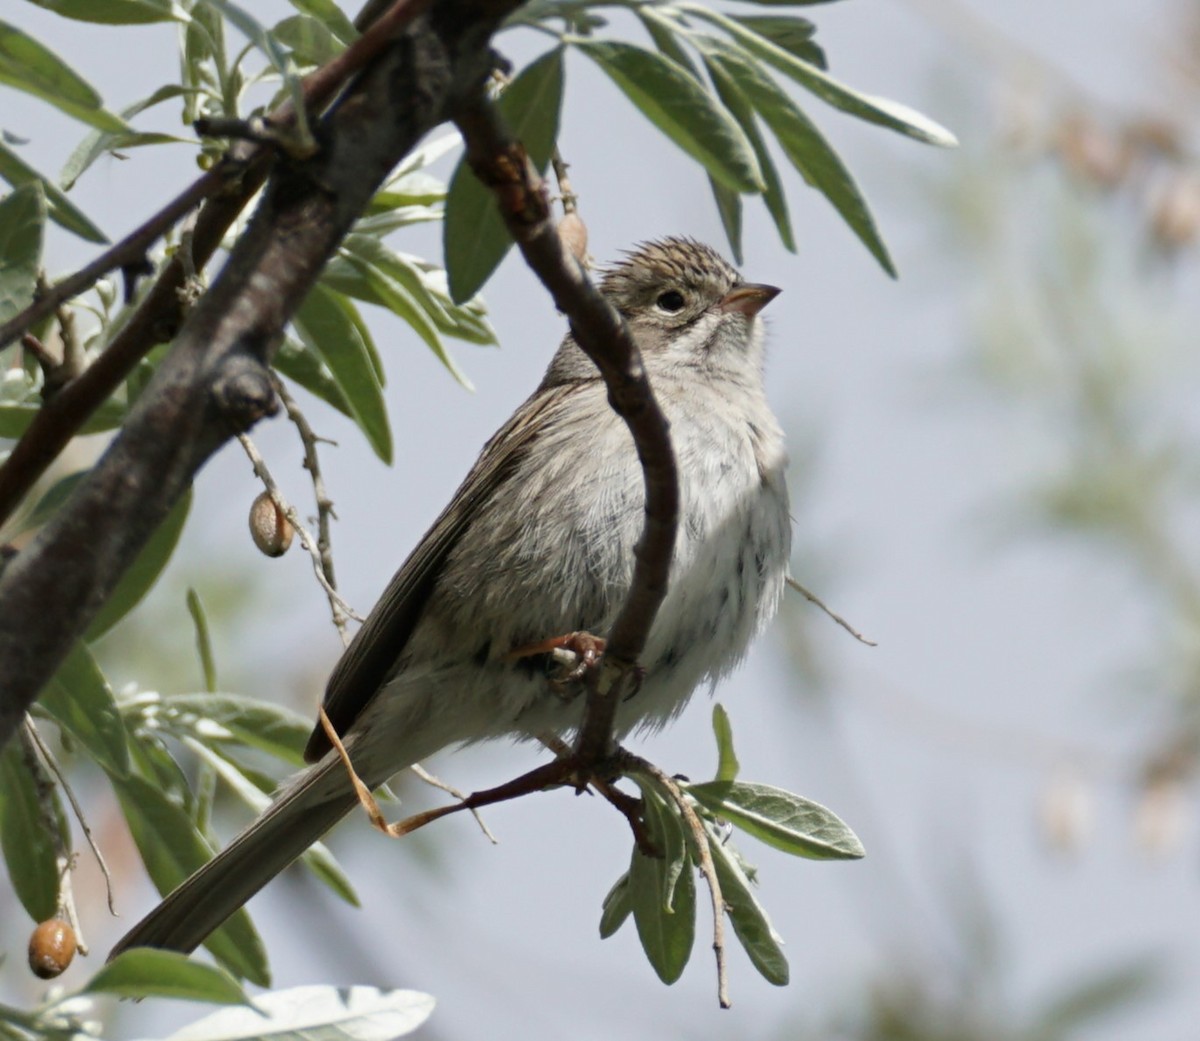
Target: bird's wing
{"x":371,"y":656}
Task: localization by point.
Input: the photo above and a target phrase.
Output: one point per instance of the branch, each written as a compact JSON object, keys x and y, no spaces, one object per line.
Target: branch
{"x":501,"y":163}
{"x":214,"y":383}
{"x":235,"y":181}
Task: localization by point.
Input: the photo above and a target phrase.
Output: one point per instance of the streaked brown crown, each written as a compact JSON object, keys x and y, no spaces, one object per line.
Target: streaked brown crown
{"x":651,"y":266}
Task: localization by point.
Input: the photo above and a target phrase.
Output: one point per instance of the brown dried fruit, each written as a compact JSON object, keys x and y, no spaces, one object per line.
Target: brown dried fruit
{"x":51,"y":948}
{"x":271,"y":530}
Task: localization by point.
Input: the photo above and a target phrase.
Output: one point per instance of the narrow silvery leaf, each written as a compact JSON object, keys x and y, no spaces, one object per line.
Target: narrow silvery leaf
{"x":682,"y":109}
{"x":474,"y":237}
{"x":727,"y":761}
{"x":81,"y":702}
{"x":882,"y":111}
{"x":59,"y":208}
{"x":141,"y":575}
{"x":22,"y":222}
{"x":803,"y":144}
{"x":316,"y":1013}
{"x":617,"y":907}
{"x":780,"y":819}
{"x":28,"y":66}
{"x":29,"y":847}
{"x":146,"y":972}
{"x":750,"y":921}
{"x":663,"y":891}
{"x":116,"y":12}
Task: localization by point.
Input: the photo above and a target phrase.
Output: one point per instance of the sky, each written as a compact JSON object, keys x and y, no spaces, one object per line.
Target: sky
{"x":993,"y":671}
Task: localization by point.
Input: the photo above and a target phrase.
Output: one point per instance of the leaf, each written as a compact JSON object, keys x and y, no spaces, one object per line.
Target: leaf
{"x":729,"y":208}
{"x":316,"y":1013}
{"x":727,"y":760}
{"x":172,"y":848}
{"x":330,"y":15}
{"x":29,"y":849}
{"x":144,"y":571}
{"x":22,"y":221}
{"x":144,"y":972}
{"x":59,"y":208}
{"x":301,"y":364}
{"x":1099,"y":996}
{"x":803,"y":144}
{"x":16,"y":416}
{"x":29,"y":67}
{"x":208,"y":664}
{"x":682,"y":109}
{"x":881,"y":111}
{"x":310,"y":40}
{"x":115,"y":12}
{"x":773,"y":194}
{"x":780,"y":819}
{"x":750,"y":922}
{"x":617,"y":907}
{"x":80,"y":701}
{"x":663,"y":892}
{"x":329,"y":325}
{"x":271,"y":728}
{"x":474,"y":237}
{"x":50,"y":502}
{"x":98,"y":142}
{"x":794,"y":35}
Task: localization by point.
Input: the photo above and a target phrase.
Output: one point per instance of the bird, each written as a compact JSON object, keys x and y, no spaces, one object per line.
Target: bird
{"x":538,"y":541}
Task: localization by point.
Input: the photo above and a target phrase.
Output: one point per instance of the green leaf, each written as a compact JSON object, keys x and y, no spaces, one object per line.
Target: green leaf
{"x":16,"y":416}
{"x":890,"y":114}
{"x":29,"y":848}
{"x":59,"y":208}
{"x":28,"y":66}
{"x":794,"y":35}
{"x":773,"y":194}
{"x":729,"y":208}
{"x":617,"y":907}
{"x":310,"y":41}
{"x":330,"y":15}
{"x":474,"y":237}
{"x":98,"y":142}
{"x":50,"y":502}
{"x":780,"y":819}
{"x":1098,"y":997}
{"x":144,"y":571}
{"x":682,"y":109}
{"x":750,"y":922}
{"x":663,"y":892}
{"x":803,"y":144}
{"x":330,"y":326}
{"x":727,"y":760}
{"x":145,"y":972}
{"x":172,"y":849}
{"x":208,"y":664}
{"x":272,"y":728}
{"x":115,"y":12}
{"x":80,"y":701}
{"x":301,"y":364}
{"x":316,"y":1013}
{"x":22,"y":221}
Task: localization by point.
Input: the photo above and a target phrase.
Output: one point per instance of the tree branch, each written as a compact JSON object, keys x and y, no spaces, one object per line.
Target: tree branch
{"x":214,"y":382}
{"x":501,"y":163}
{"x":234,"y":182}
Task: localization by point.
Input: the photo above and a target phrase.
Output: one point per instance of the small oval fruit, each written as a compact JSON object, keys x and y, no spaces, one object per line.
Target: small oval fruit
{"x":51,"y":948}
{"x":271,"y":530}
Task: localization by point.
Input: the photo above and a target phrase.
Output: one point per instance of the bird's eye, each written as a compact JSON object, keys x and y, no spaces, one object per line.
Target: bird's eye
{"x":671,"y":301}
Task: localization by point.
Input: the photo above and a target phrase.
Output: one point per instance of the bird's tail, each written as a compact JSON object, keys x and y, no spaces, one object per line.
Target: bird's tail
{"x":298,"y":817}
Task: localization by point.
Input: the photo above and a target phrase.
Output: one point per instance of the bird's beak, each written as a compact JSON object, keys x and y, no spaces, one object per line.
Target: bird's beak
{"x":748,"y":299}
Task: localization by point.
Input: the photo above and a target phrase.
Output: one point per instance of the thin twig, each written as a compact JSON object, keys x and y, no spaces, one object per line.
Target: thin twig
{"x":338,"y":607}
{"x":566,"y":193}
{"x":325,"y":513}
{"x":437,"y":782}
{"x":632,"y":764}
{"x":52,"y":763}
{"x":815,"y":600}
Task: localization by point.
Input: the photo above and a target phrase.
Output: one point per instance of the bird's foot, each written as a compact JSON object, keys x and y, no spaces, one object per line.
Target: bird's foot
{"x":574,"y":655}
